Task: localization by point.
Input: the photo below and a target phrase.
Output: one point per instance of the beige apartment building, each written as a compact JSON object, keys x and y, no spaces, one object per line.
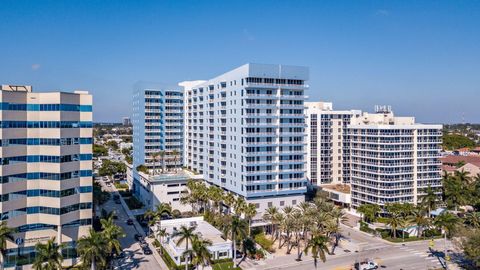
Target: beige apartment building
{"x":46,"y":172}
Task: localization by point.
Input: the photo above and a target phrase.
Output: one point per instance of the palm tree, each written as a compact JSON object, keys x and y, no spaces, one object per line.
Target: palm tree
{"x":175,"y":155}
{"x":185,"y":234}
{"x":318,"y":246}
{"x":369,"y":212}
{"x":48,"y":256}
{"x":200,"y":253}
{"x":239,"y":206}
{"x":155,"y":156}
{"x":161,"y":209}
{"x":161,"y":233}
{"x":93,"y":249}
{"x":419,"y":218}
{"x":288,"y":212}
{"x":446,"y":222}
{"x":162,"y":158}
{"x":269,"y":216}
{"x":237,"y":231}
{"x":473,"y":219}
{"x":454,"y":188}
{"x":332,"y":229}
{"x":249,"y":211}
{"x":6,"y":234}
{"x":429,"y":200}
{"x":111,"y":233}
{"x":394,"y":221}
{"x":215,"y":194}
{"x":229,"y":200}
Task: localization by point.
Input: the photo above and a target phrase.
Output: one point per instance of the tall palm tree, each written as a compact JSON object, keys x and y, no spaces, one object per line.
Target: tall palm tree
{"x":288,"y":225}
{"x":420,"y":219}
{"x":269,"y":216}
{"x":160,"y":211}
{"x":239,"y":206}
{"x":446,"y":222}
{"x":162,"y":158}
{"x":161,"y":233}
{"x":250,"y":211}
{"x":155,"y":156}
{"x":6,"y":234}
{"x":229,"y":200}
{"x":332,"y":228}
{"x":185,"y":234}
{"x":429,"y":200}
{"x":93,"y":250}
{"x":394,"y":221}
{"x":175,"y":155}
{"x":369,"y":212}
{"x":318,"y":246}
{"x":215,"y":194}
{"x":48,"y":256}
{"x":278,"y":221}
{"x":200,"y":253}
{"x":237,"y":231}
{"x":111,"y":234}
{"x":454,"y":189}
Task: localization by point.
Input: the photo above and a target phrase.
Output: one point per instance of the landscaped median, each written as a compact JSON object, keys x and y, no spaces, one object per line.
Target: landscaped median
{"x":401,"y":236}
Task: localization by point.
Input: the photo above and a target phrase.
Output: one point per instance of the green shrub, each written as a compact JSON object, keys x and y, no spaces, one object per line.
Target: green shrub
{"x":121,"y":186}
{"x":432,"y":233}
{"x":264,"y":242}
{"x":365,"y":228}
{"x":133,"y":203}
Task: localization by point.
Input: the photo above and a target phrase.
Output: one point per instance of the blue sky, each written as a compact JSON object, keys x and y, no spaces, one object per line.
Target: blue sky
{"x":421,"y":57}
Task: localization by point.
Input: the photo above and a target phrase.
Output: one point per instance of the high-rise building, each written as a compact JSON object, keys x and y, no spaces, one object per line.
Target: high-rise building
{"x":126,"y":121}
{"x":328,"y":147}
{"x":393,"y":159}
{"x":157,"y":126}
{"x":46,"y":172}
{"x":246,"y":132}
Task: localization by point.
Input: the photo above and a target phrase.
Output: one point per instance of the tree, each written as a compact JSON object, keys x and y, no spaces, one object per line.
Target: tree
{"x":155,"y":156}
{"x":6,"y":234}
{"x":215,"y":194}
{"x":48,"y":256}
{"x":112,"y":144}
{"x":269,"y":216}
{"x":111,"y":233}
{"x":185,"y":234}
{"x":394,"y":221}
{"x":446,"y":222}
{"x":369,"y":212}
{"x":237,"y":231}
{"x":420,"y":219}
{"x":470,"y":243}
{"x":142,"y":168}
{"x":473,"y":219}
{"x":92,"y":249}
{"x":161,"y":233}
{"x":249,"y":211}
{"x":175,"y":155}
{"x":318,"y":247}
{"x":200,"y":253}
{"x":429,"y":200}
{"x":99,"y":150}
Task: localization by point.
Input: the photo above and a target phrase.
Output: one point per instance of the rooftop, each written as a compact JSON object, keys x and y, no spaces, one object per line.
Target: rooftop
{"x":338,"y":187}
{"x":453,"y":160}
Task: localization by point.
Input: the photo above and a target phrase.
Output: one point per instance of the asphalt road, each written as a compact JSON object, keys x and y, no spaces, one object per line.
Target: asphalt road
{"x":411,"y":256}
{"x":134,"y":259}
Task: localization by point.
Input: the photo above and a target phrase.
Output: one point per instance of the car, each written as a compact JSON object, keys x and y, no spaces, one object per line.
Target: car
{"x":129,"y":221}
{"x":138,"y":237}
{"x":147,"y":250}
{"x":367,"y":265}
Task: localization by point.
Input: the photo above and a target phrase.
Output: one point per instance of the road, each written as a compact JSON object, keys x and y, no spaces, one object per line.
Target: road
{"x":135,"y":258}
{"x":411,"y":256}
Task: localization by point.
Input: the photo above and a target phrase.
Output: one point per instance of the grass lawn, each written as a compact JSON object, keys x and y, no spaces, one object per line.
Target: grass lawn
{"x":225,"y":266}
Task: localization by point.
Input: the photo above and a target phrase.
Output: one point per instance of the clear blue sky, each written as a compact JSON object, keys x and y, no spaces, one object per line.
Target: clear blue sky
{"x":421,"y":57}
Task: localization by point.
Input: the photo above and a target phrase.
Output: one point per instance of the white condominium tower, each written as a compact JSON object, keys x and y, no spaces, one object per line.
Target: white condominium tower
{"x":393,"y":159}
{"x":327,"y":138}
{"x":157,"y":126}
{"x":46,"y":172}
{"x":246,"y":133}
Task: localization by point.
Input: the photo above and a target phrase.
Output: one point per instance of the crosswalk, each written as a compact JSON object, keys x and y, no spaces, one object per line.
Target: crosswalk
{"x":427,"y":255}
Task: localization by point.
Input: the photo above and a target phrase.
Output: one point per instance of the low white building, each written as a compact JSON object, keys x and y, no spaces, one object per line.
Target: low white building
{"x":339,"y":193}
{"x":164,"y":188}
{"x":220,"y":249}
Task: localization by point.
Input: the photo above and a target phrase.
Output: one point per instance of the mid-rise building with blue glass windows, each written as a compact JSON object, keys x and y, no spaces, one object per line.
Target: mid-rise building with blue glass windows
{"x":246,"y":133}
{"x":46,"y":170}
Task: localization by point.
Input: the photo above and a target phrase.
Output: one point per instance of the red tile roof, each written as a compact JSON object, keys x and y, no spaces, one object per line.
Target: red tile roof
{"x":452,"y":160}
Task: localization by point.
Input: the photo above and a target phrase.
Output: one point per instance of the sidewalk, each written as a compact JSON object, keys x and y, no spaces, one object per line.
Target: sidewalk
{"x":140,"y":230}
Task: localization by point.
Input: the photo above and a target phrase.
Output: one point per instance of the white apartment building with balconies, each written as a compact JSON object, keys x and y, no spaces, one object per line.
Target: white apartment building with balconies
{"x":328,"y":147}
{"x":157,"y":126}
{"x":393,"y":159}
{"x":246,"y":132}
{"x":46,"y":171}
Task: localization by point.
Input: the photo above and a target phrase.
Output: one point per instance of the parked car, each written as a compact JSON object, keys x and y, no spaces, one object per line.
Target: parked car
{"x":147,"y":250}
{"x":129,"y":221}
{"x":138,"y":237}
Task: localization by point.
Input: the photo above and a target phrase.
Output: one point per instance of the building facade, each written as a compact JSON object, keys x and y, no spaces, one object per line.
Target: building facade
{"x":157,"y":127}
{"x":328,"y":145}
{"x":46,"y":157}
{"x":246,"y":133}
{"x":393,"y":159}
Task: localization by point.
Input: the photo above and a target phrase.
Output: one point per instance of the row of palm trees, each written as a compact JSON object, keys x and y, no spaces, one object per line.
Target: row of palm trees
{"x":96,"y":250}
{"x":162,"y":157}
{"x":310,"y":226}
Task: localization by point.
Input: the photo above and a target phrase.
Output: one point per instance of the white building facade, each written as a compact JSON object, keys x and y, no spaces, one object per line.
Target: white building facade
{"x":393,"y":159}
{"x":246,"y":133}
{"x":328,"y":145}
{"x":46,"y":172}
